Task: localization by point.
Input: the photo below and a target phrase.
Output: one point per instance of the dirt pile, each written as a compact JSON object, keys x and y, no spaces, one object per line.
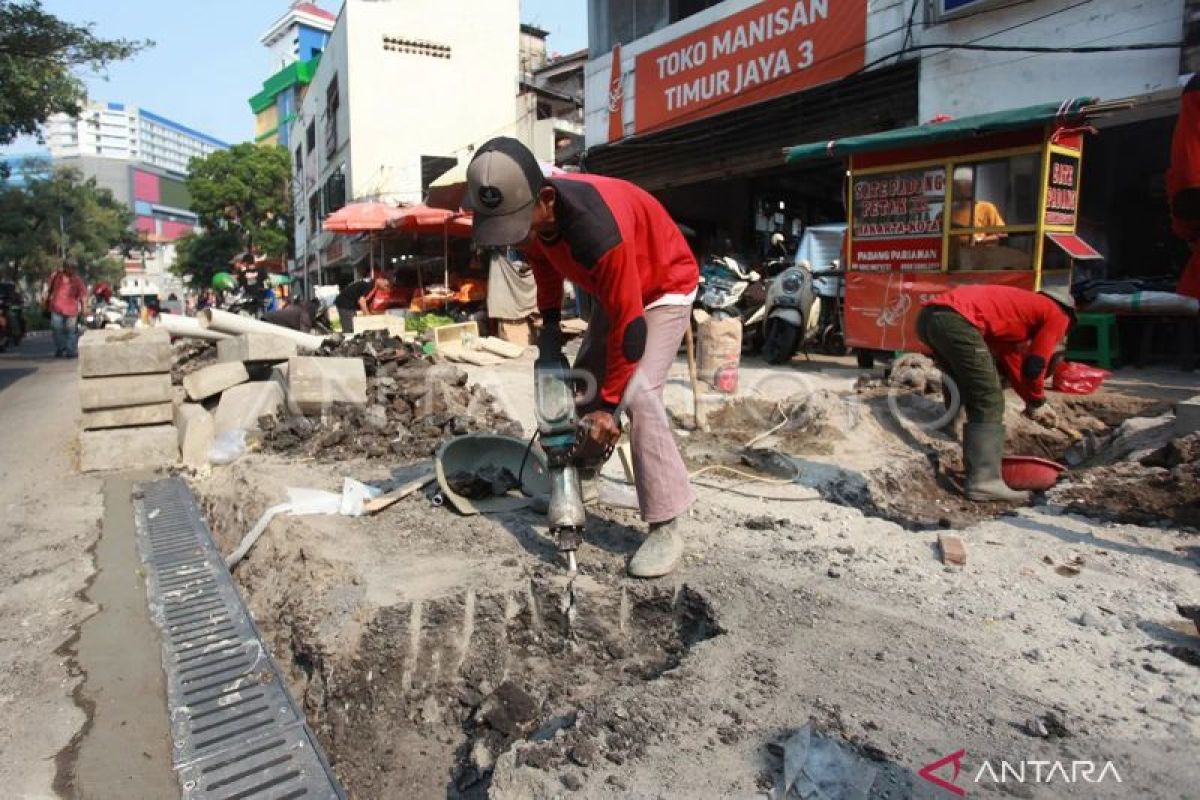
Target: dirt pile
{"x":1161,"y":486}
{"x":412,"y":406}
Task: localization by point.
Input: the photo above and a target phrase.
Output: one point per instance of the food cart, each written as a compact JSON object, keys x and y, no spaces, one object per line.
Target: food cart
{"x":985,"y":199}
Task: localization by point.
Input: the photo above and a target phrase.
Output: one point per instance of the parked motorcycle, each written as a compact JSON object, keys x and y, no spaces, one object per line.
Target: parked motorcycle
{"x":244,"y":304}
{"x":110,"y":314}
{"x":828,"y":335}
{"x":788,"y":313}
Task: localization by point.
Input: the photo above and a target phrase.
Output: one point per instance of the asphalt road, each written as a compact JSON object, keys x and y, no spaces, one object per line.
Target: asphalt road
{"x":81,"y":706}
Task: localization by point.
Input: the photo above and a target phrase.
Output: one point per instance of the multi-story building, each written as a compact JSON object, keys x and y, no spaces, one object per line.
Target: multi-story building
{"x":696,"y":100}
{"x":116,"y":130}
{"x":296,"y":41}
{"x":550,"y":100}
{"x":142,"y":158}
{"x":403,"y":90}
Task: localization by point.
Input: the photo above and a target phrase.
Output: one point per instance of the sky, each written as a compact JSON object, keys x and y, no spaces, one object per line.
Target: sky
{"x":207,"y":62}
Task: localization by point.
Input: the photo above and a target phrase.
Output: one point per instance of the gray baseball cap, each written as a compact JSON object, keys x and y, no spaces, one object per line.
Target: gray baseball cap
{"x":1061,"y":295}
{"x":503,"y":180}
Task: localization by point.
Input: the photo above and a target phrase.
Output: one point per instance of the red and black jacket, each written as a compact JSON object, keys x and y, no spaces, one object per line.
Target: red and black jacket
{"x":1021,"y":328}
{"x":618,"y":244}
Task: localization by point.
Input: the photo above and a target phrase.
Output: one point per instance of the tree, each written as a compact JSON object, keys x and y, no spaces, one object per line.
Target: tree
{"x":245,"y":189}
{"x":199,"y":255}
{"x":38,"y":55}
{"x":58,"y":210}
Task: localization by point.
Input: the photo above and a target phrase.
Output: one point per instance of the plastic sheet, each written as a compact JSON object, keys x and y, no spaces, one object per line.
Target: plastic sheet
{"x":1072,"y":377}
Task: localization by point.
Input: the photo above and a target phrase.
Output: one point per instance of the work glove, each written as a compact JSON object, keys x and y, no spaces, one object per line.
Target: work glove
{"x":599,"y":432}
{"x":1042,"y":413}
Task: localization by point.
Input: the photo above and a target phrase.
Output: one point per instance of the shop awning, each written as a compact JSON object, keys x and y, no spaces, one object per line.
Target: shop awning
{"x":1070,"y":112}
{"x":1075,"y":247}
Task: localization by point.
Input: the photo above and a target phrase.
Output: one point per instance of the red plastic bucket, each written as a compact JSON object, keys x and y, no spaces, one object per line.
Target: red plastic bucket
{"x":1030,"y":473}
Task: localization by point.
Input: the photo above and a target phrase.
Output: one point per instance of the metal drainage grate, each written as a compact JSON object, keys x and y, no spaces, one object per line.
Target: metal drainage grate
{"x":237,"y":732}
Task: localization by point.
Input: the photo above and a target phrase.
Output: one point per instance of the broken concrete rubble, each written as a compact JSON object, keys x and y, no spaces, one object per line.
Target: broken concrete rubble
{"x":124,"y":390}
{"x":195,"y":429}
{"x":124,"y":352}
{"x":127,"y":416}
{"x":316,"y":383}
{"x":242,"y":405}
{"x":255,"y":348}
{"x":1187,"y":416}
{"x":214,"y":379}
{"x":128,"y":448}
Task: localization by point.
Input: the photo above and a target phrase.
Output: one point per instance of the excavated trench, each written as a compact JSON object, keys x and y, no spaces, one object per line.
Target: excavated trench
{"x":420,"y":697}
{"x":856,"y":451}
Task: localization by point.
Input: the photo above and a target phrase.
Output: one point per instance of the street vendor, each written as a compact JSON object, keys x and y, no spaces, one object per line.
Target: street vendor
{"x":974,"y":329}
{"x":967,"y":211}
{"x":618,"y":244}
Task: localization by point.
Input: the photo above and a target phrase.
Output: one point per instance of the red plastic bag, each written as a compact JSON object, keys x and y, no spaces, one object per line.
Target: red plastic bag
{"x":1071,"y":377}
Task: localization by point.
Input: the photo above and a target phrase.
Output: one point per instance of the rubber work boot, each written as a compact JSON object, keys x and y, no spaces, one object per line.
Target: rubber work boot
{"x":659,"y":554}
{"x":983,"y":446}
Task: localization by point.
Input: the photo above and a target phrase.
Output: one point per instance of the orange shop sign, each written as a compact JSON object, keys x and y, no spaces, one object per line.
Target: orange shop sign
{"x":771,"y":49}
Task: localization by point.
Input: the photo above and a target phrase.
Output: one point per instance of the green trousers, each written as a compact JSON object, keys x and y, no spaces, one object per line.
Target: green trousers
{"x":960,"y":351}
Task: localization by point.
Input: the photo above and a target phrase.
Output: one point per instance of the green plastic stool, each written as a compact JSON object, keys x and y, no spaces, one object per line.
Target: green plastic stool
{"x":1106,"y":347}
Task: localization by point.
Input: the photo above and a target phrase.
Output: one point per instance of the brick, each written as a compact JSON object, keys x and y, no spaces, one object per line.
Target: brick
{"x":241,"y":406}
{"x":256,"y":348}
{"x":127,"y":417}
{"x":195,"y":430}
{"x":1187,"y":416}
{"x":124,"y":390}
{"x":954,"y":551}
{"x":214,"y":379}
{"x":127,"y":351}
{"x":128,"y":448}
{"x":315,"y":382}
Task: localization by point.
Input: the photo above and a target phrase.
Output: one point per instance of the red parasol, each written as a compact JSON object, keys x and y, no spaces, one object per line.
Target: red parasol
{"x":361,"y":218}
{"x":423,"y":219}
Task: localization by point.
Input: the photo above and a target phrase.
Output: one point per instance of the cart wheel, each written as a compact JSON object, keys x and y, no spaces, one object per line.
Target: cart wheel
{"x":866,"y":358}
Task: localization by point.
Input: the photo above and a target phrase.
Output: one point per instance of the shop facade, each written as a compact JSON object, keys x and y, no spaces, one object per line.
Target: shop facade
{"x":695,"y":101}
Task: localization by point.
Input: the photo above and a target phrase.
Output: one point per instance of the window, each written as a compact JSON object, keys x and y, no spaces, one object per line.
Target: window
{"x":334,"y":190}
{"x":622,"y":21}
{"x":299,"y":158}
{"x":333,"y":102}
{"x":993,"y":204}
{"x":314,"y":214}
{"x":310,"y":137}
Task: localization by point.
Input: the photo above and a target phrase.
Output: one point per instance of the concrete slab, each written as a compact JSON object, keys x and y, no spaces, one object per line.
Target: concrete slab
{"x":255,"y":347}
{"x":124,"y":352}
{"x":241,"y":406}
{"x":128,"y":448}
{"x":315,"y":382}
{"x":214,"y":379}
{"x":1187,"y":416}
{"x":127,"y":417}
{"x":195,"y":429}
{"x":124,"y":390}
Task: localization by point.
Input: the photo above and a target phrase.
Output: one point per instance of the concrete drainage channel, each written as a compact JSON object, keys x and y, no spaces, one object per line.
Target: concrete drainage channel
{"x":237,"y":732}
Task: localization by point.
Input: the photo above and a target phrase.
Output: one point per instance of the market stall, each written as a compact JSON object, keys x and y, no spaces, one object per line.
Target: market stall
{"x":985,"y":199}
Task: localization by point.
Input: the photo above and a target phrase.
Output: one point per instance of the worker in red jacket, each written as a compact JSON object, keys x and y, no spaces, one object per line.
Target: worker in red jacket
{"x":972,"y":330}
{"x":1183,"y":184}
{"x":618,"y":244}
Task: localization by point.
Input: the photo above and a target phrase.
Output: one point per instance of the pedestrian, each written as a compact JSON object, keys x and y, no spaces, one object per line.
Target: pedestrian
{"x":355,"y":299}
{"x":972,"y":330}
{"x":618,"y":244}
{"x":66,"y":296}
{"x":298,"y":316}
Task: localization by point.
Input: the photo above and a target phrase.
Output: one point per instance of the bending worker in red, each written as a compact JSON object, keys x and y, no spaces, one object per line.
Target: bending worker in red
{"x":618,"y":244}
{"x":971,"y":330}
{"x":1183,"y":184}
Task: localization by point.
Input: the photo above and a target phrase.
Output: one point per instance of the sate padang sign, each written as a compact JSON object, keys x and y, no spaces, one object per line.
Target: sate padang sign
{"x":771,"y":49}
{"x":1062,"y":195}
{"x":898,"y":221}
